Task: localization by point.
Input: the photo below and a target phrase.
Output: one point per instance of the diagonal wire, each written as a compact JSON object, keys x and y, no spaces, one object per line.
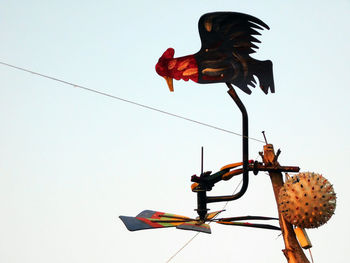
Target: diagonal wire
{"x":237,"y":187}
{"x":185,"y":245}
{"x":126,"y":100}
{"x":312,"y":259}
{"x":224,"y":207}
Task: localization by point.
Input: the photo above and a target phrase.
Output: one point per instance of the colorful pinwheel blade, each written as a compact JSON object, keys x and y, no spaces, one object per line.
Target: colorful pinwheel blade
{"x":239,"y":218}
{"x":212,"y":215}
{"x":149,"y":219}
{"x":195,"y":226}
{"x":264,"y":226}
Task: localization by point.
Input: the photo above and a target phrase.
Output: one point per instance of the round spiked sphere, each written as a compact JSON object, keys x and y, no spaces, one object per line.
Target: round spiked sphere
{"x":307,"y":200}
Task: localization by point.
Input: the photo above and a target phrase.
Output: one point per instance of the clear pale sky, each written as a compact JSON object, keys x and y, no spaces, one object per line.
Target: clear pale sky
{"x":72,"y":161}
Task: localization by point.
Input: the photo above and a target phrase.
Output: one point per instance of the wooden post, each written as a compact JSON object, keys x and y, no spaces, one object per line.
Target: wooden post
{"x":293,"y":252}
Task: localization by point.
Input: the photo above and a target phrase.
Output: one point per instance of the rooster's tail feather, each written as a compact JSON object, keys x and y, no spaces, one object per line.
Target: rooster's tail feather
{"x":263,"y":71}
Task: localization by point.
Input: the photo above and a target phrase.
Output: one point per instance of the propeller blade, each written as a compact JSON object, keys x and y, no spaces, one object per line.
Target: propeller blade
{"x":149,"y":219}
{"x":239,"y":218}
{"x":212,"y":215}
{"x":264,"y":226}
{"x":195,"y":226}
{"x":157,"y":220}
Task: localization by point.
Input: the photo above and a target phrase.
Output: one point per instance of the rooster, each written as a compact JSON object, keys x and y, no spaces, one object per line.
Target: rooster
{"x":227,"y":42}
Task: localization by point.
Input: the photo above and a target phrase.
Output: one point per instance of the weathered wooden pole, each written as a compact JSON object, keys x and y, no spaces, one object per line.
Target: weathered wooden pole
{"x":293,"y":252}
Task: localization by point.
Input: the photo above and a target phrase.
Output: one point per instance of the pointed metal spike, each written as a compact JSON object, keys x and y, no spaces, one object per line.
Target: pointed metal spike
{"x":251,"y":24}
{"x":253,"y":39}
{"x":254,"y":32}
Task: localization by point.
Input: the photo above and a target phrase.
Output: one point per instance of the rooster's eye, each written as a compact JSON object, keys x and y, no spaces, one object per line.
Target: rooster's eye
{"x":172,"y":64}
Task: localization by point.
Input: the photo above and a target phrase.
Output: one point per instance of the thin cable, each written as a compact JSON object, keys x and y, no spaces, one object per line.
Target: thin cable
{"x":312,"y":259}
{"x":232,"y":194}
{"x":177,"y":252}
{"x":237,"y":186}
{"x":126,"y":100}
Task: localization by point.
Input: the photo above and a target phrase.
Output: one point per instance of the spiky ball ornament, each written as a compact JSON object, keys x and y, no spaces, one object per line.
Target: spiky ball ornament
{"x":307,"y":200}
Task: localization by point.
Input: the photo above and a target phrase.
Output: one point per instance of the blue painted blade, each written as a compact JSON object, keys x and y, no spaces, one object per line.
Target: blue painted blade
{"x":194,"y":226}
{"x":133,"y":224}
{"x":149,"y":219}
{"x":146,"y":213}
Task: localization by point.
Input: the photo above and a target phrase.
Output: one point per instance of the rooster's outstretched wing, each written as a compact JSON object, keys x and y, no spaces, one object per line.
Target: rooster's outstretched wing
{"x":227,"y":41}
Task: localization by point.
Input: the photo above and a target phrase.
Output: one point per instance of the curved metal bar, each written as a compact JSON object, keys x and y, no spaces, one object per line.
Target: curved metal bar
{"x":211,"y":199}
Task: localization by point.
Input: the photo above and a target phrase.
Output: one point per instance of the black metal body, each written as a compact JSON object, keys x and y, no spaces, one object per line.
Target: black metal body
{"x":206,"y":185}
{"x":212,"y":199}
{"x":206,"y":181}
{"x":228,"y":40}
{"x":202,"y":209}
{"x":202,"y":195}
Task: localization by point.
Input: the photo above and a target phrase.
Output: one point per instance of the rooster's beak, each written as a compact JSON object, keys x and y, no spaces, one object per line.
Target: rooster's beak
{"x":169,"y":81}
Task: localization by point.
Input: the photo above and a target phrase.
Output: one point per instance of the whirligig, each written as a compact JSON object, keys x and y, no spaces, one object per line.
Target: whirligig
{"x":227,"y":42}
{"x":149,"y":219}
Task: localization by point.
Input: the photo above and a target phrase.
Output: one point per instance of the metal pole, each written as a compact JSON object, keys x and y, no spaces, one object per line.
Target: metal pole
{"x":202,"y":194}
{"x":234,"y":96}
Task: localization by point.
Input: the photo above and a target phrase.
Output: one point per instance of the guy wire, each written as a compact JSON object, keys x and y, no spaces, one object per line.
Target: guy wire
{"x":126,"y":100}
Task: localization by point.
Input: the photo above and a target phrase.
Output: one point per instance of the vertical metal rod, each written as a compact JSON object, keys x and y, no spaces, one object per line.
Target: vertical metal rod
{"x":202,"y":204}
{"x":202,"y":157}
{"x":202,"y":194}
{"x":244,"y":187}
{"x":263,"y":132}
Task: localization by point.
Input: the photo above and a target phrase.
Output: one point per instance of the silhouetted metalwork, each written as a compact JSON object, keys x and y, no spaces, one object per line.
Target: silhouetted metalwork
{"x":228,"y":39}
{"x":227,"y":42}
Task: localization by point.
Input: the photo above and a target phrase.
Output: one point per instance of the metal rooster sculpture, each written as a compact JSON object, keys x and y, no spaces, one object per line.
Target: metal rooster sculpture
{"x":227,"y":42}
